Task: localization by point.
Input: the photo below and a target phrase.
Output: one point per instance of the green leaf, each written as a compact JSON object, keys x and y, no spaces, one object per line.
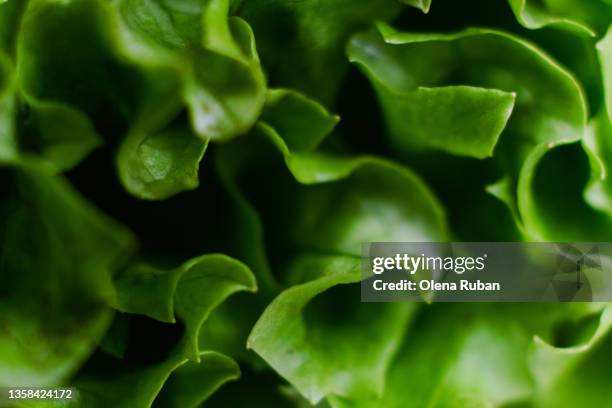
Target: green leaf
{"x":548,"y":361}
{"x":399,"y":63}
{"x":302,"y":122}
{"x":589,"y":17}
{"x":189,"y":292}
{"x":597,"y":143}
{"x":192,"y":383}
{"x":158,"y":165}
{"x":301,"y":43}
{"x":574,"y":375}
{"x":86,"y":74}
{"x":221,"y":80}
{"x":172,"y":382}
{"x":424,"y":5}
{"x":359,"y":189}
{"x":50,"y":133}
{"x":296,"y":333}
{"x":56,"y":134}
{"x":10,"y":15}
{"x":378,"y":202}
{"x":54,"y":286}
{"x":249,"y":238}
{"x":337,"y":193}
{"x":542,"y":202}
{"x":194,"y":56}
{"x":490,"y":59}
{"x":8,"y":112}
{"x":467,"y":355}
{"x":604,"y":52}
{"x":597,"y":146}
{"x":531,"y":15}
{"x":344,"y":181}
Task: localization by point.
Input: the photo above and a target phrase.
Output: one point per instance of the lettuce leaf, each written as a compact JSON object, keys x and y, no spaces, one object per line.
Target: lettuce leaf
{"x":295,"y":338}
{"x":52,"y":321}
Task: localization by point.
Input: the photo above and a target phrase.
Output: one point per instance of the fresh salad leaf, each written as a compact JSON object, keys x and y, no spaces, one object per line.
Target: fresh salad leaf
{"x":327,"y":124}
{"x":295,"y":338}
{"x":188,"y":293}
{"x":52,"y":321}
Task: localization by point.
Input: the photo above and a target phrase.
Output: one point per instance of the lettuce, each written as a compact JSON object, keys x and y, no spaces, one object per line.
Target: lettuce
{"x":185,"y":186}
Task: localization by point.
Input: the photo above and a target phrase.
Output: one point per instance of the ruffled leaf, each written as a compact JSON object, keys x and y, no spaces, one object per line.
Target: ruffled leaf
{"x":471,"y":355}
{"x":588,"y":17}
{"x":574,"y":374}
{"x":532,"y":15}
{"x":160,"y":164}
{"x":56,"y":135}
{"x":424,"y":5}
{"x":402,"y":62}
{"x":295,"y":336}
{"x":8,"y":112}
{"x":189,"y":292}
{"x":173,"y":382}
{"x":54,"y":286}
{"x":301,"y":42}
{"x":221,"y":81}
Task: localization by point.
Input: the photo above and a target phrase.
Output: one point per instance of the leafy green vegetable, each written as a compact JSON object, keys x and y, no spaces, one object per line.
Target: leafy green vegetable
{"x":58,"y":258}
{"x":582,"y":17}
{"x":424,"y":5}
{"x":301,"y":42}
{"x":297,"y":343}
{"x":467,"y":356}
{"x":222,"y":105}
{"x":114,"y":226}
{"x":169,"y":383}
{"x":531,"y":15}
{"x":189,"y":292}
{"x":8,"y":145}
{"x":161,"y":164}
{"x":545,"y":111}
{"x":62,"y":136}
{"x":557,"y":370}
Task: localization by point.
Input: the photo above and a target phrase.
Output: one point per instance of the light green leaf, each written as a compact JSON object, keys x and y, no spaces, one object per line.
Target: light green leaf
{"x":160,"y":164}
{"x":189,"y":292}
{"x":489,"y":59}
{"x":295,"y":335}
{"x":604,"y":52}
{"x":221,"y":80}
{"x":8,"y":111}
{"x":599,"y":150}
{"x":531,"y":15}
{"x":192,"y":383}
{"x":58,"y":258}
{"x":424,"y":5}
{"x":173,"y":382}
{"x":548,"y":361}
{"x":573,"y":375}
{"x":373,"y":200}
{"x":597,"y":143}
{"x":401,"y":62}
{"x":590,"y":17}
{"x":302,"y":122}
{"x":467,"y":355}
{"x":542,"y":202}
